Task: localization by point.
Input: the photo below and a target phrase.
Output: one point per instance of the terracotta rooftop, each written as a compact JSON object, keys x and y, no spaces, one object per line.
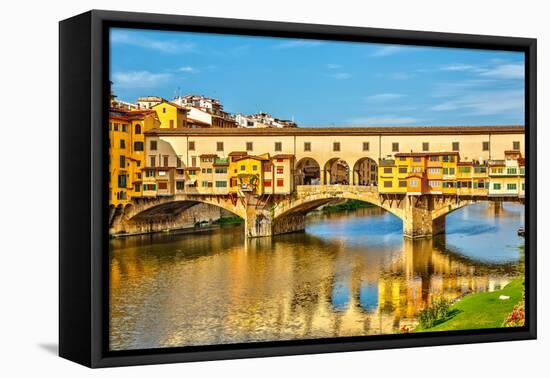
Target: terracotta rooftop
{"x":394,"y":130}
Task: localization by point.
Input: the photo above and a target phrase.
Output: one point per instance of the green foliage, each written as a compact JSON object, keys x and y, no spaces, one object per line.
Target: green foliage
{"x":435,"y":313}
{"x":229,"y":220}
{"x":349,"y":205}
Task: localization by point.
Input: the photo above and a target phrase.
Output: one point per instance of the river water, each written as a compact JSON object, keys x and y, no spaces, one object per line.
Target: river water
{"x":348,"y":274}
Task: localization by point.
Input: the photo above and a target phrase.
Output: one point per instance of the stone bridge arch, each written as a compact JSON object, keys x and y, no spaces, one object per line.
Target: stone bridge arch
{"x":309,"y":198}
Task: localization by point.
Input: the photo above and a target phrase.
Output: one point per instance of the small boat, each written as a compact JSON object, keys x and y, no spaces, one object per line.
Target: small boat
{"x":521,"y":232}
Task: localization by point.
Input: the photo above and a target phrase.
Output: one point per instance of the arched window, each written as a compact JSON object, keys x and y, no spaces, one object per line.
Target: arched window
{"x":138,"y":129}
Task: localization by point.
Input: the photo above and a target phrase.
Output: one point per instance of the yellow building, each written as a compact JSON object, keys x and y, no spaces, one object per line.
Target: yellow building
{"x":170,"y":115}
{"x":507,"y":177}
{"x":126,"y":152}
{"x":246,"y":174}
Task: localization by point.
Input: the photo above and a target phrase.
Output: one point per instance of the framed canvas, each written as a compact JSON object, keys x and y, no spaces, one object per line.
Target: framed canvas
{"x":236,"y":188}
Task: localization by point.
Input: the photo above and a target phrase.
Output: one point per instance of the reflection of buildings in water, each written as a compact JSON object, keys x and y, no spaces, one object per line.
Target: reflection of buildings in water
{"x":295,"y":286}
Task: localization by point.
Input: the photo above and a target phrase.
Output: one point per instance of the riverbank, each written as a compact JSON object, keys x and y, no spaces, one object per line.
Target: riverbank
{"x":348,"y":205}
{"x":481,"y":310}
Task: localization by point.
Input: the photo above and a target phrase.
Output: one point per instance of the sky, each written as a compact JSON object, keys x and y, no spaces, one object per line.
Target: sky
{"x":323,"y":83}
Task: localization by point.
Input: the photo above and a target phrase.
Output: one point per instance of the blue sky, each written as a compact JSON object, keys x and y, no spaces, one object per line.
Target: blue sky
{"x":323,"y":83}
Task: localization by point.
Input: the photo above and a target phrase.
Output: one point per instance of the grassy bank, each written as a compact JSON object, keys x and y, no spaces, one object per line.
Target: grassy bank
{"x":347,"y":206}
{"x":229,"y":220}
{"x":481,"y":310}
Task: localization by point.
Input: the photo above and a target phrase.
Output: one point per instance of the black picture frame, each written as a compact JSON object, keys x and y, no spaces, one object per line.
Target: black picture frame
{"x":83,"y":197}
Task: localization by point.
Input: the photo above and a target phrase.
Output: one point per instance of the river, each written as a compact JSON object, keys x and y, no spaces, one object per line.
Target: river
{"x":349,"y":274}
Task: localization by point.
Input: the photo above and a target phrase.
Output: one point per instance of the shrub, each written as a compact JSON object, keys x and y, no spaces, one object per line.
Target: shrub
{"x":434,"y":313}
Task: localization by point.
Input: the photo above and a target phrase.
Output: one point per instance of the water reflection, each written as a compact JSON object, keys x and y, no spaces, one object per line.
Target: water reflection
{"x":348,"y":274}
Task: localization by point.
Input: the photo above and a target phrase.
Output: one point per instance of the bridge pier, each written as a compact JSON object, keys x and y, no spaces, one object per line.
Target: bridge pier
{"x":260,"y":224}
{"x":418,"y":219}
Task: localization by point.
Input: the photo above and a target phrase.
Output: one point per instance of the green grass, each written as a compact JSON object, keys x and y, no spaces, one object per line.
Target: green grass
{"x":481,"y":310}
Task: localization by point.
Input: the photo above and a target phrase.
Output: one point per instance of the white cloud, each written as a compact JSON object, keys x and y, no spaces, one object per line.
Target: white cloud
{"x":460,"y":67}
{"x":384,"y":120}
{"x":486,"y":103}
{"x":382,"y":97}
{"x":386,"y":51}
{"x":187,"y":69}
{"x":499,"y":71}
{"x":341,"y":75}
{"x":139,"y":40}
{"x":297,"y":43}
{"x":139,"y":79}
{"x":333,"y":66}
{"x":506,"y":71}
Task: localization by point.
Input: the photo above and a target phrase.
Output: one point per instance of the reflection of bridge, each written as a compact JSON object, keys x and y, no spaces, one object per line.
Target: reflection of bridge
{"x":267,"y":215}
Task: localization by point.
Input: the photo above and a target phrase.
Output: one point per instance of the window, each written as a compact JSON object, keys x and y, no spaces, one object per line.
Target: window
{"x":511,"y":186}
{"x":434,"y":158}
{"x":366,"y":146}
{"x":480,"y":169}
{"x":164,"y":110}
{"x":456,"y":146}
{"x":388,"y":170}
{"x":451,"y":171}
{"x":153,"y":161}
{"x":307,"y":146}
{"x":254,"y":167}
{"x":221,"y":170}
{"x":137,"y":187}
{"x":336,"y":146}
{"x":434,"y":170}
{"x":401,"y":170}
{"x":206,"y":184}
{"x":395,"y":147}
{"x":496,"y":170}
{"x":402,"y":183}
{"x":163,"y":185}
{"x":138,"y":146}
{"x":414,"y":183}
{"x":137,"y":129}
{"x":208,"y":170}
{"x":122,"y":143}
{"x":180,"y":185}
{"x":267,"y":183}
{"x":280,"y":182}
{"x":434,"y":183}
{"x":193,"y":161}
{"x":522,"y":171}
{"x":221,"y":184}
{"x":387,"y":184}
{"x":138,"y":163}
{"x":496,"y":186}
{"x":243,"y":167}
{"x":417,"y":159}
{"x":153,"y":145}
{"x":425,"y":146}
{"x":116,"y":126}
{"x":124,"y":128}
{"x":464,"y":169}
{"x":280,"y":169}
{"x":479,"y":185}
{"x":219,"y":146}
{"x":122,"y":162}
{"x":267,"y":167}
{"x":122,"y":181}
{"x":165,"y":160}
{"x":278,"y":146}
{"x":485,"y":146}
{"x":512,"y":171}
{"x":249,"y":146}
{"x":178,"y":162}
{"x":523,"y":186}
{"x":191,"y":145}
{"x":171,"y":126}
{"x":515,"y":145}
{"x":416,"y":169}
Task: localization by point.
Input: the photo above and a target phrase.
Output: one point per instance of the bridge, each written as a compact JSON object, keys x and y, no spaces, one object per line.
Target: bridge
{"x":423,"y":216}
